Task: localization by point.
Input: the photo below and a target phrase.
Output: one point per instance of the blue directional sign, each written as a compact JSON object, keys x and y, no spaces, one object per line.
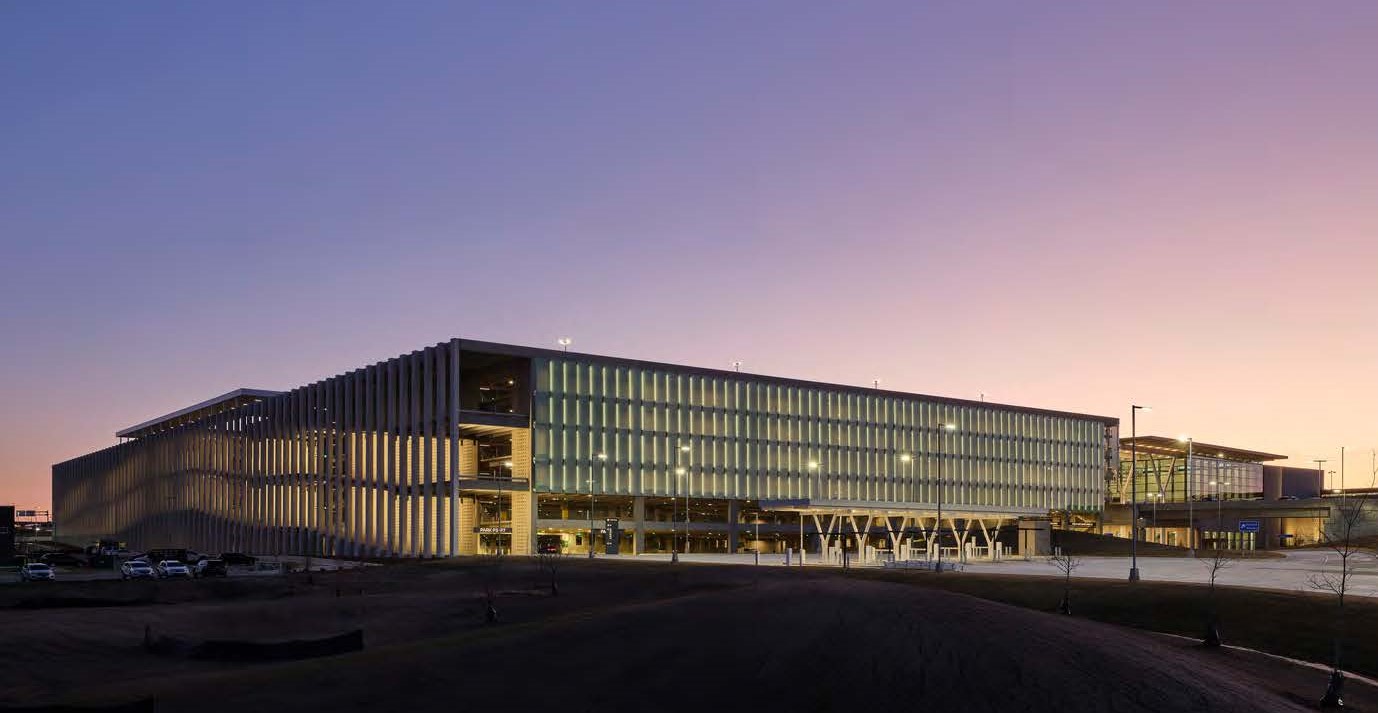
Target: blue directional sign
{"x":1248,"y":525}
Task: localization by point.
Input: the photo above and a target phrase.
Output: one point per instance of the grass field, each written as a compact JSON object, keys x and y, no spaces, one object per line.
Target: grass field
{"x":1296,"y":625}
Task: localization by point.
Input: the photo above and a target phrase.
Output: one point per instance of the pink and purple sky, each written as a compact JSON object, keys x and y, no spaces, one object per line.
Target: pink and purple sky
{"x":1067,"y":205}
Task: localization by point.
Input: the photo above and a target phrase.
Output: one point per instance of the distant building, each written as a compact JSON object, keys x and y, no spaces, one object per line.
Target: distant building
{"x":1220,"y":496}
{"x":468,"y":447}
{"x":7,"y":534}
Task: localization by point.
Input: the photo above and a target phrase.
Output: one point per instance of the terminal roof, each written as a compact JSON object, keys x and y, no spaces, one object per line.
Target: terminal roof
{"x":1165,"y":446}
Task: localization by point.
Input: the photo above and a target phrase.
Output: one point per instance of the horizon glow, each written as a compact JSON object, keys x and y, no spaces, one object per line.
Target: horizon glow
{"x":1066,"y":207}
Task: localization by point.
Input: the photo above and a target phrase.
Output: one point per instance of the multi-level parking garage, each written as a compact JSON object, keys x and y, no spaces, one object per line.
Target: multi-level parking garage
{"x":467,"y":447}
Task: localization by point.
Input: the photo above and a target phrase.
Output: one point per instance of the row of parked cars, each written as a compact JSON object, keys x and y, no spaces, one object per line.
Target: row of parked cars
{"x":140,"y":567}
{"x":169,"y":569}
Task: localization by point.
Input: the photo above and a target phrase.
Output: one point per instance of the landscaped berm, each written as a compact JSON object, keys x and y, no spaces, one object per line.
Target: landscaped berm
{"x":626,"y":636}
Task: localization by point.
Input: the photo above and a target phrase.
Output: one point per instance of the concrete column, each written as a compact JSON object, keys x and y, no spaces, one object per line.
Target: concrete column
{"x":733,"y":511}
{"x":1035,"y":537}
{"x":523,"y":523}
{"x":1268,"y":532}
{"x":468,"y":520}
{"x":468,"y":458}
{"x":639,"y":523}
{"x":521,"y":454}
{"x":452,"y":439}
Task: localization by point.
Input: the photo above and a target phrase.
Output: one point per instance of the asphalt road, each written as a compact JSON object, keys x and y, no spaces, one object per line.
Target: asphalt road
{"x":1294,"y":572}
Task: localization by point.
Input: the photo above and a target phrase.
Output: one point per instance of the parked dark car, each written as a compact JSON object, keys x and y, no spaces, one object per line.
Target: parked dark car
{"x":237,"y":559}
{"x":210,"y":568}
{"x":62,"y":559}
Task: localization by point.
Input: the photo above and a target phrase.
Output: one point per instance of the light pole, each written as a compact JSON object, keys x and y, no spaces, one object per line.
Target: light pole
{"x":908,"y":460}
{"x":564,"y":343}
{"x":1134,"y":410}
{"x":817,"y":470}
{"x":498,"y":537}
{"x":757,"y":522}
{"x":912,"y":495}
{"x":1191,"y":528}
{"x":938,"y":526}
{"x":604,"y":458}
{"x":674,"y":504}
{"x":1155,"y":497}
{"x":1219,"y":512}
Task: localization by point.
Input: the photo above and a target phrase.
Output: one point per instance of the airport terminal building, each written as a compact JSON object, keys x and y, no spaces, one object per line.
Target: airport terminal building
{"x":468,"y":447}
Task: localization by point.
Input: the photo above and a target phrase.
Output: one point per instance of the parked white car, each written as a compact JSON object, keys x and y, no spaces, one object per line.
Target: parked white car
{"x":137,"y":569}
{"x":173,"y":568}
{"x":37,"y":572}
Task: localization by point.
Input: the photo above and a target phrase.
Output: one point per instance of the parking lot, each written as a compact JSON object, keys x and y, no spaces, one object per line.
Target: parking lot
{"x":263,"y":567}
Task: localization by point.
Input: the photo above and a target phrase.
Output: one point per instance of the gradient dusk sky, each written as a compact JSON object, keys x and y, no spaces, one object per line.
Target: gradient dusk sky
{"x":1068,"y":205}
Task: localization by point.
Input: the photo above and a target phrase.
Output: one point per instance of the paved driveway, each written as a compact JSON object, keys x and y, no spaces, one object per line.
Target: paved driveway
{"x":1291,"y":573}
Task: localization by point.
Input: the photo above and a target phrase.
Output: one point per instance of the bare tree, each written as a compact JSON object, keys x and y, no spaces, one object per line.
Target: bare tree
{"x":1066,"y":564}
{"x":549,"y":563}
{"x":1339,"y":536}
{"x":490,"y":569}
{"x":1218,"y":560}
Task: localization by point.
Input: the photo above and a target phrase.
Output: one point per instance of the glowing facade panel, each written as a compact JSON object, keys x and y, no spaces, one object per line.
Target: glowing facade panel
{"x":751,"y":438}
{"x":409,"y":457}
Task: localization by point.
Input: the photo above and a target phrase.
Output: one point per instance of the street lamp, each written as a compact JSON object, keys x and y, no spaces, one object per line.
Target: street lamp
{"x":1155,"y":497}
{"x":674,"y":505}
{"x":816,"y":468}
{"x":1191,"y":528}
{"x":508,"y":465}
{"x":909,"y":460}
{"x":1134,"y":410}
{"x":1219,"y":512}
{"x":602,"y":457}
{"x":912,"y":495}
{"x":564,"y":343}
{"x":938,"y":526}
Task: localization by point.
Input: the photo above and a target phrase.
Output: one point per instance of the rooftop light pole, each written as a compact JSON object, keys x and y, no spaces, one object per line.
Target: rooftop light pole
{"x":604,"y":458}
{"x":1191,"y":528}
{"x":1342,"y":478}
{"x":1134,"y":410}
{"x":938,"y":526}
{"x":564,"y":343}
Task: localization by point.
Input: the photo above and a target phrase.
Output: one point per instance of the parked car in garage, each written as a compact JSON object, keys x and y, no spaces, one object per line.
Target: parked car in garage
{"x":36,"y":572}
{"x":137,"y":569}
{"x":237,"y":559}
{"x":62,"y":559}
{"x":210,"y":568}
{"x":173,"y":568}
